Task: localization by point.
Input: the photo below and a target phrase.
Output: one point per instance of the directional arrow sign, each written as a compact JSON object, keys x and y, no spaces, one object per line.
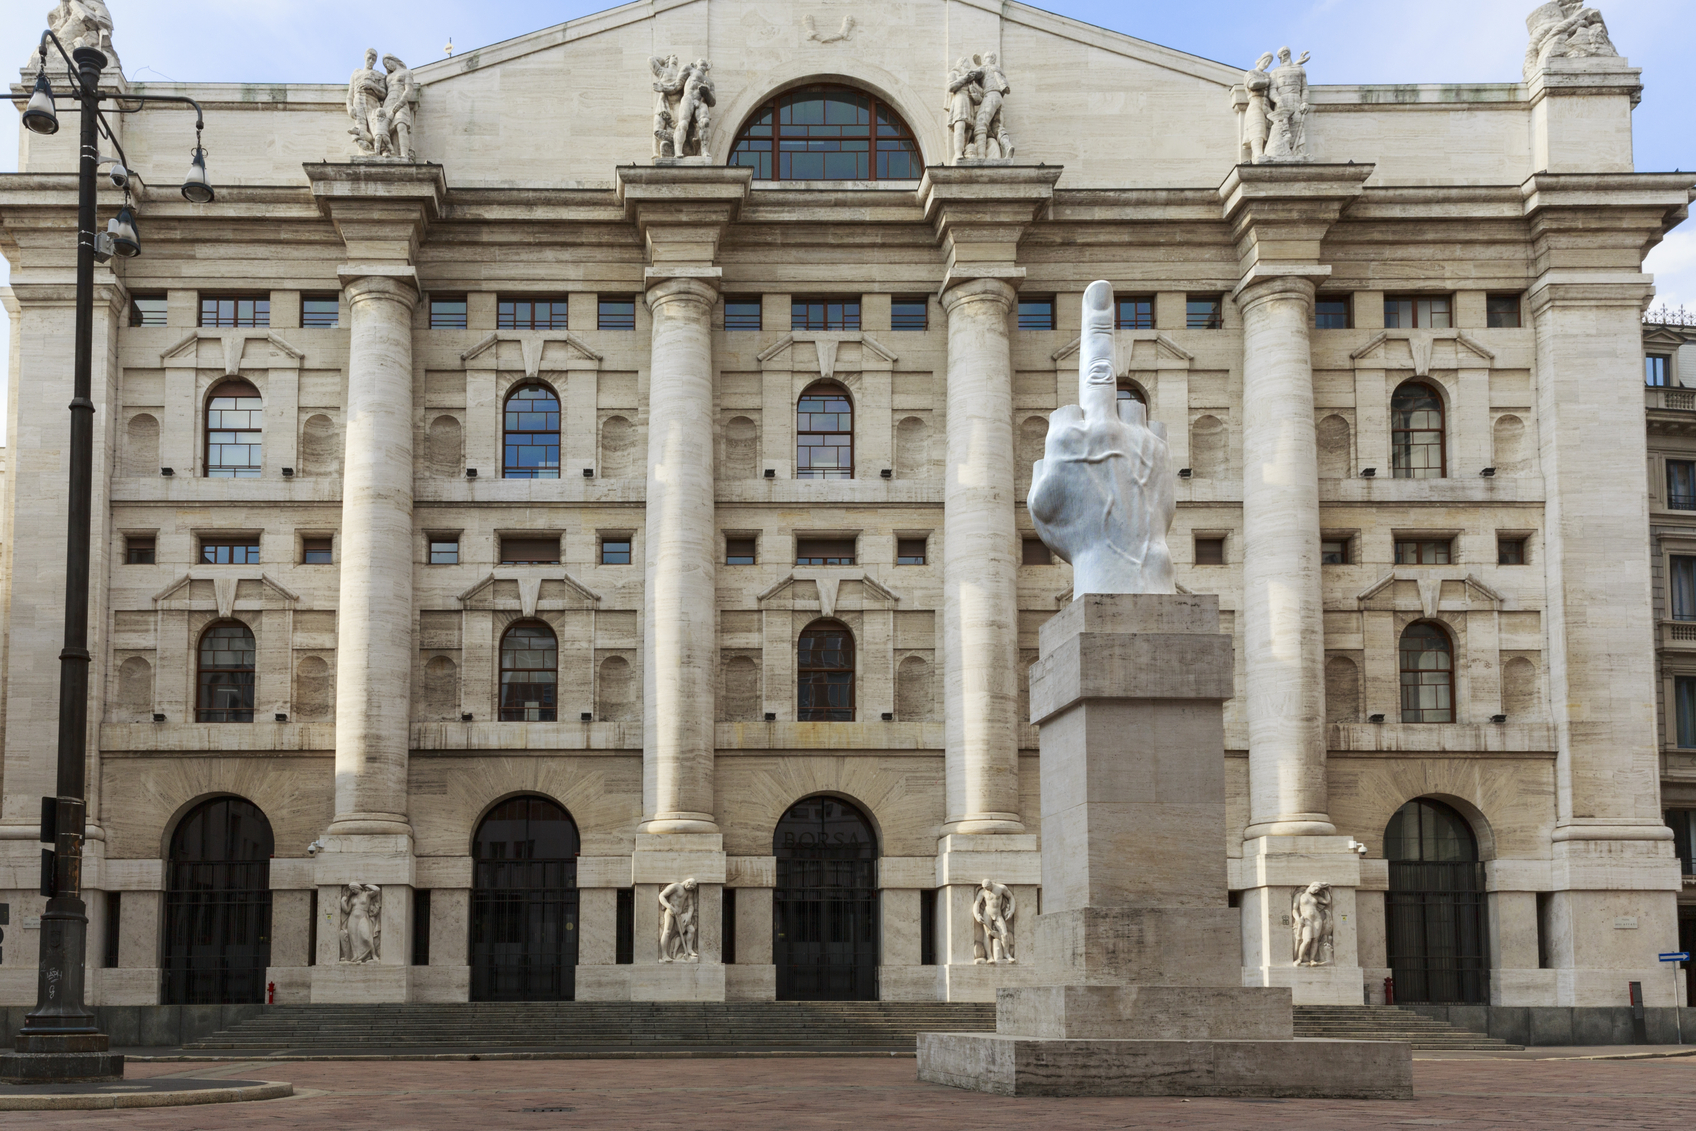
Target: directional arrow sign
{"x":1676,"y":956}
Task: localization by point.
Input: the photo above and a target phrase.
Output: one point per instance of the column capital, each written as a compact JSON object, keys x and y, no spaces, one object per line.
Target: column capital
{"x":380,"y":209}
{"x":979,"y":288}
{"x":380,"y":280}
{"x":980,"y":214}
{"x":681,"y":211}
{"x":1279,"y":214}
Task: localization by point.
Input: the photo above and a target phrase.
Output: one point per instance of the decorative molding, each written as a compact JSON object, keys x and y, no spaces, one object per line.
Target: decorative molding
{"x":829,"y":582}
{"x":846,"y":30}
{"x":531,"y":344}
{"x":224,"y":589}
{"x":825,"y":343}
{"x":234,"y":343}
{"x":529,"y":588}
{"x":1420,"y":344}
{"x":1430,"y":584}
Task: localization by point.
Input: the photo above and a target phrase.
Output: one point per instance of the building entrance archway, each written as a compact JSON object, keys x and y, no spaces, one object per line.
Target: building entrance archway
{"x":824,"y":911}
{"x":218,"y":905}
{"x":1434,"y":913}
{"x":524,"y":903}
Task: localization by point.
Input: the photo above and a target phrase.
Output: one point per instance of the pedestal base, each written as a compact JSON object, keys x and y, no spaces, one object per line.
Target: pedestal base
{"x":60,"y":1067}
{"x":1036,"y":1066}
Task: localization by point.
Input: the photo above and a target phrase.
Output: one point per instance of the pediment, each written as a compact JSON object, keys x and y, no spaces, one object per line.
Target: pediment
{"x":234,"y":344}
{"x":532,"y":352}
{"x":831,"y":589}
{"x":827,"y":348}
{"x":221,"y":590}
{"x":1135,"y":351}
{"x":1428,"y":592}
{"x":527,"y":589}
{"x":1422,"y":351}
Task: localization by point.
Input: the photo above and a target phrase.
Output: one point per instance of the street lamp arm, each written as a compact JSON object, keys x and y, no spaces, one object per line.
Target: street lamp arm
{"x":199,"y":117}
{"x":70,"y":66}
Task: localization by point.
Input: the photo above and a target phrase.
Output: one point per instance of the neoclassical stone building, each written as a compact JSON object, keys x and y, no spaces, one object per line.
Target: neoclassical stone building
{"x":600,"y":471}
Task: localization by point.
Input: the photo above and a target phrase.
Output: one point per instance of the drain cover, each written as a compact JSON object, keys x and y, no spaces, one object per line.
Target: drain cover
{"x":547,"y":1109}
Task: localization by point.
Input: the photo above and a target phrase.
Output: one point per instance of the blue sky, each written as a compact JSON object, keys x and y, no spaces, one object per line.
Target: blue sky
{"x":1352,"y":41}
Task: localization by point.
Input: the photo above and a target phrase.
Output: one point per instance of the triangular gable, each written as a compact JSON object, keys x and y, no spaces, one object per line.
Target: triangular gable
{"x":532,"y":344}
{"x":1423,"y":350}
{"x":529,"y":590}
{"x":829,"y":583}
{"x":224,"y":583}
{"x":234,"y":342}
{"x":1124,"y":346}
{"x":1430,"y":583}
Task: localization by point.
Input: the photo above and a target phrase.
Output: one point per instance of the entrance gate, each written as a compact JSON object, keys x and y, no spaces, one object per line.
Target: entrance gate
{"x":218,"y":905}
{"x":1434,"y":912}
{"x":824,"y":911}
{"x":524,"y":903}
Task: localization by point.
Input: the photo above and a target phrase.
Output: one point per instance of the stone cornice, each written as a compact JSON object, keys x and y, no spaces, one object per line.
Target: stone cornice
{"x":1279,"y":213}
{"x":981,"y":212}
{"x":681,"y":212}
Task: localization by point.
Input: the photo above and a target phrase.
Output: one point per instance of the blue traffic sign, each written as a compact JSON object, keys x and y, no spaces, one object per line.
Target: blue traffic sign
{"x":1676,"y":956}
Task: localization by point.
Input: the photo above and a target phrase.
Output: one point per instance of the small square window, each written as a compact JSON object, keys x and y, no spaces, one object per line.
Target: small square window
{"x":1204,"y":312}
{"x":320,"y":312}
{"x":615,"y":551}
{"x":1510,"y":551}
{"x":444,"y":551}
{"x":616,"y":312}
{"x":530,"y":312}
{"x":229,"y":551}
{"x":909,"y":551}
{"x":739,"y":551}
{"x":1036,"y":313}
{"x":447,"y":312}
{"x":1135,"y":313}
{"x":824,"y":551}
{"x":1334,"y":551}
{"x":909,"y":314}
{"x":530,"y":551}
{"x":742,"y":313}
{"x":1033,"y":552}
{"x":147,"y":310}
{"x":824,"y":314}
{"x":139,"y":549}
{"x":1209,"y":551}
{"x":235,"y":310}
{"x":315,"y":551}
{"x":1501,"y":312}
{"x":1424,"y":551}
{"x":1332,"y":312}
{"x":1655,"y":369}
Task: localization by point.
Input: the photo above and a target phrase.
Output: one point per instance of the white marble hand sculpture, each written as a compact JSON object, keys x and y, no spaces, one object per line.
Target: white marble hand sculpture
{"x":1103,"y":495}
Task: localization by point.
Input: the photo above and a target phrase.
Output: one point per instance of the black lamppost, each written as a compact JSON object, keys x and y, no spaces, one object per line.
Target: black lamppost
{"x":60,"y":1041}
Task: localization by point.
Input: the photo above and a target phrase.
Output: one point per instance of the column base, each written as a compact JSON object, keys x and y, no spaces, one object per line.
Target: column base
{"x":61,"y":1058}
{"x":1313,"y":985}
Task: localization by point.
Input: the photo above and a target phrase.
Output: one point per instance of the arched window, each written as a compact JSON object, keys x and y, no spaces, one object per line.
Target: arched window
{"x":1428,"y":671}
{"x":1416,"y":432}
{"x":824,"y":433}
{"x":1434,"y":913}
{"x":827,"y":133}
{"x":529,"y":674}
{"x":1129,"y":392}
{"x":235,"y":422}
{"x":824,"y":674}
{"x":524,"y":903}
{"x":532,"y":434}
{"x":218,"y":905}
{"x":228,"y":660}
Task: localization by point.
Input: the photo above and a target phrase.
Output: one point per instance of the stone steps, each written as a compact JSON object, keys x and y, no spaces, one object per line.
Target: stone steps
{"x":1388,"y":1023}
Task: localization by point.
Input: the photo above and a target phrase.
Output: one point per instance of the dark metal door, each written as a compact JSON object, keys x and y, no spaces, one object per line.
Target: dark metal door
{"x":824,"y":910}
{"x":1434,"y":913}
{"x":524,"y":903}
{"x":218,"y":906}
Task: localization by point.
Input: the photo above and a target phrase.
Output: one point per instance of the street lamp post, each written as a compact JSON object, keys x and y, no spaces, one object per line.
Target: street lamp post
{"x":61,"y":1040}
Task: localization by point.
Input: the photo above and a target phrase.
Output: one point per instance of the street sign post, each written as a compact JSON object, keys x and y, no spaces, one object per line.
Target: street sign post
{"x":1675,"y":957}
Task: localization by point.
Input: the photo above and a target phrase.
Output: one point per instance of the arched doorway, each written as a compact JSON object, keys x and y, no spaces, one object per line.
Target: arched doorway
{"x":218,"y":905}
{"x":824,"y":911}
{"x":1434,"y":913}
{"x":524,"y":903}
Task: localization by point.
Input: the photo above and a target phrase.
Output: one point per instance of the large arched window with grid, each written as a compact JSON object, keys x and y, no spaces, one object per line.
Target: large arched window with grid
{"x":228,"y":664}
{"x":824,"y":433}
{"x":1428,"y":675}
{"x":1416,"y":432}
{"x":529,"y":674}
{"x":532,"y":434}
{"x":235,"y":425}
{"x":824,"y":673}
{"x":827,"y":133}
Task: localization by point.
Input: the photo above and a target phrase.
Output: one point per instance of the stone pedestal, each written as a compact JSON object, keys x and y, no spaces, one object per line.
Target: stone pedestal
{"x":1141,"y":961}
{"x":1272,"y":869}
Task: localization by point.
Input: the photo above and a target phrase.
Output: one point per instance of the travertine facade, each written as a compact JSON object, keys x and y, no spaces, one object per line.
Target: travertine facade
{"x":676,"y":746}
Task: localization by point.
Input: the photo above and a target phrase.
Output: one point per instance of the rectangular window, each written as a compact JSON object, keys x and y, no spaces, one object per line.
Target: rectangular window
{"x":1334,"y":551}
{"x":444,"y":551}
{"x":1683,"y":588}
{"x":909,"y":551}
{"x":229,"y":551}
{"x":739,"y":551}
{"x":1331,"y":312}
{"x":824,"y":551}
{"x":147,"y":310}
{"x":320,"y":312}
{"x":139,"y":549}
{"x":530,"y":551}
{"x":1424,"y":551}
{"x":1684,"y":697}
{"x":527,"y":312}
{"x":1204,"y":312}
{"x":1683,"y":825}
{"x":1501,"y":312}
{"x":421,"y":926}
{"x":1681,"y":485}
{"x":616,"y":312}
{"x":1510,"y":551}
{"x":114,"y":920}
{"x":909,"y":314}
{"x":1209,"y":551}
{"x":742,"y":313}
{"x":615,"y":551}
{"x":1655,"y":367}
{"x":1036,"y":313}
{"x":1409,"y":312}
{"x":624,"y":928}
{"x":727,"y":926}
{"x":315,"y":551}
{"x":927,"y":927}
{"x":1135,"y":313}
{"x":824,"y":314}
{"x":235,"y":310}
{"x":447,"y":312}
{"x":1033,"y":552}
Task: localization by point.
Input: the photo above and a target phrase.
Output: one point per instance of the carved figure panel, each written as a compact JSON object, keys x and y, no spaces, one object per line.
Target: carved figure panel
{"x":1312,"y":925}
{"x":993,"y":913}
{"x":361,"y":925}
{"x":680,"y":922}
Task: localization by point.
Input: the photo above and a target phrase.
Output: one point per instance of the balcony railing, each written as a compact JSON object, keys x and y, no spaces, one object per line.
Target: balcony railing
{"x":1681,"y":502}
{"x":1679,"y":634}
{"x":1679,"y":400}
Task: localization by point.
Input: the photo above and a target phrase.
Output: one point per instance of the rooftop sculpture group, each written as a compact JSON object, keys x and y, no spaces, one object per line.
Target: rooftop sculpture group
{"x":1274,"y":123}
{"x":1565,"y":29}
{"x":977,"y":88}
{"x":383,"y":107}
{"x":683,"y":100}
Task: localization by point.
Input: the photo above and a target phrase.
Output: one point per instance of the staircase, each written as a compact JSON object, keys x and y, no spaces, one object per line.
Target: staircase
{"x":611,"y":1026}
{"x":1387,"y":1023}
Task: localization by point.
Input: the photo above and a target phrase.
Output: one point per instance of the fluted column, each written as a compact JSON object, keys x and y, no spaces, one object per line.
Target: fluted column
{"x":979,"y":578}
{"x":678,"y":617}
{"x":1282,"y":618}
{"x":374,"y":613}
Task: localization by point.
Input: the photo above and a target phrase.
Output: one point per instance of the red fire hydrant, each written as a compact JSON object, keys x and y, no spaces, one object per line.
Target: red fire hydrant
{"x":270,"y":993}
{"x":1389,"y":991}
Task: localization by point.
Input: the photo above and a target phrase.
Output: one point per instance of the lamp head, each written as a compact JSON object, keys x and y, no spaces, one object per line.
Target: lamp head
{"x":197,"y":189}
{"x":39,"y":115}
{"x":125,"y":241}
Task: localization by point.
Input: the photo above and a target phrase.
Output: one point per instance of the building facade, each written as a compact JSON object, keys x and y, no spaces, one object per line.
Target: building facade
{"x":568,"y":470}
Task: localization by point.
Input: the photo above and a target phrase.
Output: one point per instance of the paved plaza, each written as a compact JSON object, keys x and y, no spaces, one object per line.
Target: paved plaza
{"x":794,"y":1095}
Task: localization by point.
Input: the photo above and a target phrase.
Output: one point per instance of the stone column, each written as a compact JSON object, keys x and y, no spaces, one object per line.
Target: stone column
{"x":679,"y":629}
{"x":979,"y":574}
{"x":1282,"y":618}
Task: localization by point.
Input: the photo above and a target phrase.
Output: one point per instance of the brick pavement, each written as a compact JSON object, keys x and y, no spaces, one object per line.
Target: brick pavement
{"x":875,"y":1095}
